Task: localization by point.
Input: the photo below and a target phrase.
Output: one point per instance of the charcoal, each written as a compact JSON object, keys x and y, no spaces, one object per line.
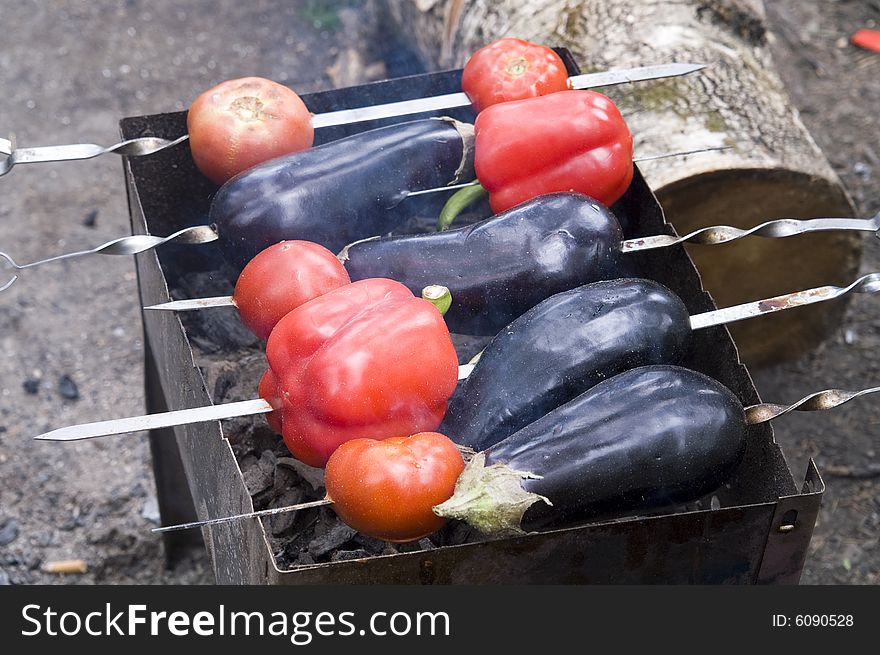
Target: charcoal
{"x":330,"y":533}
{"x":305,"y":558}
{"x":67,"y":388}
{"x":8,"y":531}
{"x":414,"y":546}
{"x":375,"y":546}
{"x":225,"y":381}
{"x":313,"y":476}
{"x":268,"y":462}
{"x":256,"y":477}
{"x":31,"y":386}
{"x":342,"y":555}
{"x":285,"y":478}
{"x":221,"y":332}
{"x":200,"y":284}
{"x":455,"y":533}
{"x":283,"y":523}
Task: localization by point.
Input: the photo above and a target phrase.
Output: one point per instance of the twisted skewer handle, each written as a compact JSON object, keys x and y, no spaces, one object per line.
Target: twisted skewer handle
{"x":130,"y":245}
{"x":783,"y":227}
{"x":815,"y":402}
{"x":146,"y":145}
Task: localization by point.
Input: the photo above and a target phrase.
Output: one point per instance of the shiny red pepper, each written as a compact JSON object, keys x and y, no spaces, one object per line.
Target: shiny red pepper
{"x":366,"y":360}
{"x":565,"y":141}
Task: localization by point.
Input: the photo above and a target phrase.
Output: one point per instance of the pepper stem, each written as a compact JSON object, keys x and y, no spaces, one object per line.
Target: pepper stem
{"x":439,"y":296}
{"x":457,"y":203}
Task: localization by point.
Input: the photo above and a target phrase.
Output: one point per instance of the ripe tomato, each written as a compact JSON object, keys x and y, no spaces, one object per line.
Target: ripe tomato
{"x":387,"y":489}
{"x":241,"y":123}
{"x":283,"y":277}
{"x":512,"y":69}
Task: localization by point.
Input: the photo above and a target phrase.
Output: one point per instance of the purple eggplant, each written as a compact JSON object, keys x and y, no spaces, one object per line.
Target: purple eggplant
{"x":647,"y":438}
{"x":341,"y":191}
{"x":501,"y":267}
{"x":559,"y":349}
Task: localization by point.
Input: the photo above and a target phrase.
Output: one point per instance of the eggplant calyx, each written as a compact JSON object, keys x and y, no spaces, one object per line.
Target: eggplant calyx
{"x":343,"y":254}
{"x":465,"y":168}
{"x":490,"y":498}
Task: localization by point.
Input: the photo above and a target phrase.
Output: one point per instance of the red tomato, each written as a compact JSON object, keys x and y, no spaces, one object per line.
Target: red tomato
{"x":512,"y":69}
{"x":283,"y":277}
{"x":387,"y":489}
{"x":271,"y":393}
{"x":241,"y":123}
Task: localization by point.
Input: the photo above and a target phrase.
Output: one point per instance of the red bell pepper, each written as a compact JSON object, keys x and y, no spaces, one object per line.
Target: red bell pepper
{"x":565,"y":141}
{"x":366,"y":360}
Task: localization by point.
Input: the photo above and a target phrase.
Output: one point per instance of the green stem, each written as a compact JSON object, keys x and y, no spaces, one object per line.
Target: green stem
{"x":457,"y":202}
{"x":439,"y":296}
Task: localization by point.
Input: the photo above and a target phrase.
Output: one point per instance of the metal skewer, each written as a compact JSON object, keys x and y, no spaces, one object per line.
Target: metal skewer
{"x":780,"y":228}
{"x":819,"y":401}
{"x":636,"y":160}
{"x":783,"y":227}
{"x":152,"y":144}
{"x":247,"y":515}
{"x":132,"y":245}
{"x":866,"y":284}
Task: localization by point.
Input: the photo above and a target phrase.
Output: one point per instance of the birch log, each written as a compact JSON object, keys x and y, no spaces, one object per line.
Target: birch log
{"x":774,"y":170}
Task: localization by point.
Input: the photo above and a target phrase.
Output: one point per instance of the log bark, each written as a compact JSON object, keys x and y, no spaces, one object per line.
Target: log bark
{"x":774,"y":169}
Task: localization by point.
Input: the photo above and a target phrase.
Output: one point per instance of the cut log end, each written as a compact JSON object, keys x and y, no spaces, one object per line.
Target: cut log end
{"x":754,"y":267}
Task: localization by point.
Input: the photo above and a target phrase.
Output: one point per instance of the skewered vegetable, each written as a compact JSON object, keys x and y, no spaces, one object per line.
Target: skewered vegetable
{"x":512,"y":69}
{"x":646,"y":438}
{"x":244,"y":122}
{"x":366,"y":360}
{"x":559,"y":349}
{"x":566,"y":141}
{"x":341,"y":191}
{"x":281,"y":278}
{"x":501,"y":267}
{"x":387,"y":489}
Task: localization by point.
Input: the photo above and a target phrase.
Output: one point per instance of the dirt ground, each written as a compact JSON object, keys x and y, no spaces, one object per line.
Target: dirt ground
{"x":70,"y":334}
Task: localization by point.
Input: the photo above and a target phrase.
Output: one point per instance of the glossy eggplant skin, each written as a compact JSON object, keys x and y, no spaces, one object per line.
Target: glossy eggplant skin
{"x":340,"y":191}
{"x":646,"y":438}
{"x":559,"y":349}
{"x":500,"y":267}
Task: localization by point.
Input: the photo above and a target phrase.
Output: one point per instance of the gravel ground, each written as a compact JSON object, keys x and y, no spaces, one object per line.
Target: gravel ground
{"x":70,"y":333}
